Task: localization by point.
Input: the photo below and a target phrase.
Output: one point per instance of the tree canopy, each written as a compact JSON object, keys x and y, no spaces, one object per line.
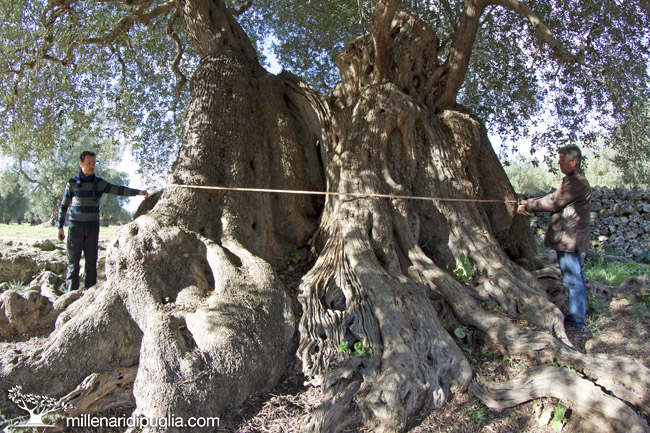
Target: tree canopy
{"x":561,"y":71}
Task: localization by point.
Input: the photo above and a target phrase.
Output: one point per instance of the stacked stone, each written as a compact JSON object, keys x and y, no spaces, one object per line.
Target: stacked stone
{"x":620,"y":221}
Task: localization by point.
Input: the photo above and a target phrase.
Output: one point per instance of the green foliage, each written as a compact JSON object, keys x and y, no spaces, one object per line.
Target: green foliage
{"x":463,"y":271}
{"x":558,"y":420}
{"x":63,"y":72}
{"x":357,"y":349}
{"x":555,"y":416}
{"x":528,"y":175}
{"x":291,"y":260}
{"x":460,"y":333}
{"x":13,"y":203}
{"x":514,"y":83}
{"x":308,"y":35}
{"x":478,"y":412}
{"x":68,"y":69}
{"x":12,"y":286}
{"x":613,"y":273}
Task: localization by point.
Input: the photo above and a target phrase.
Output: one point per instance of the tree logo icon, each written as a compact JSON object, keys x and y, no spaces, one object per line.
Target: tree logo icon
{"x":36,"y":405}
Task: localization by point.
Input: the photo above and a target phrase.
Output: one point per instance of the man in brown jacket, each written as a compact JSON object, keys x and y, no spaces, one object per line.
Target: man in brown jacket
{"x":568,"y":230}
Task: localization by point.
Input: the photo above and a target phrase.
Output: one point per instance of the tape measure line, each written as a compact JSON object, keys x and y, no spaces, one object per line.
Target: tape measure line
{"x":344,"y":194}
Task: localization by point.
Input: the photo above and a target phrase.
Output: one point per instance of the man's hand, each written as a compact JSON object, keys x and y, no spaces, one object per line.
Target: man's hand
{"x":61,"y":235}
{"x":144,"y":193}
{"x":521,"y":209}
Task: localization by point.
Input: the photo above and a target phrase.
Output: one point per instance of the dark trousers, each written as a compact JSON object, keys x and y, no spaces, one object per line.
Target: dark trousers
{"x":86,"y":240}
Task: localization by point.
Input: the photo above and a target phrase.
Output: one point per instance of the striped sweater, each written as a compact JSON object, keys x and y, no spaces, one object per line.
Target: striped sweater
{"x":82,"y":196}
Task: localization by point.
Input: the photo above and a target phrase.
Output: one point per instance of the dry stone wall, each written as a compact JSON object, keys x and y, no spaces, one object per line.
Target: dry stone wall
{"x":620,"y":221}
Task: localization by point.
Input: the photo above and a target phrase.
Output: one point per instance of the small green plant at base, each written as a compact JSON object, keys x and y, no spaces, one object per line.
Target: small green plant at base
{"x":460,"y":333}
{"x":478,"y":412}
{"x":596,"y":322}
{"x":645,"y":298}
{"x":463,"y":271}
{"x":14,"y":286}
{"x":558,"y":420}
{"x":291,"y":260}
{"x":556,"y":417}
{"x":357,"y":350}
{"x":593,"y":306}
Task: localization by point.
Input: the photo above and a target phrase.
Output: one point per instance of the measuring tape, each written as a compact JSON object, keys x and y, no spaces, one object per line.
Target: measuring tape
{"x":344,"y":194}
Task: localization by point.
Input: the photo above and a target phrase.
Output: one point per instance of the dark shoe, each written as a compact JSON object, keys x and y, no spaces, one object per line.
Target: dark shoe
{"x":571,"y":324}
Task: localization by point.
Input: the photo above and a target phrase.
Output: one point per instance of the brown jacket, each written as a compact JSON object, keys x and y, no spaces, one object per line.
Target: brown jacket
{"x":568,"y":230}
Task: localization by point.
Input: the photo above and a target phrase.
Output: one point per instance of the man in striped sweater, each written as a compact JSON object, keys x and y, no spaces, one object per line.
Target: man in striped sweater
{"x":82,"y":196}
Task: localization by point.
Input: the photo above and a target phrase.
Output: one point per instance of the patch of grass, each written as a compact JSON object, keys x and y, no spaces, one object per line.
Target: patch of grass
{"x":16,"y":286}
{"x":596,"y":323}
{"x":613,"y":273}
{"x":27,"y":232}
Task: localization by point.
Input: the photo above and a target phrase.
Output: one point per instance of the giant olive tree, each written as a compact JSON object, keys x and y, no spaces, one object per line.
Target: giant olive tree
{"x":193,"y":311}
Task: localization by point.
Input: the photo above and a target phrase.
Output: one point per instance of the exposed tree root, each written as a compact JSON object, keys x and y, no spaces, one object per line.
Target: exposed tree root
{"x":414,"y":365}
{"x":215,"y":324}
{"x":102,"y":391}
{"x":94,"y":334}
{"x":567,"y":385}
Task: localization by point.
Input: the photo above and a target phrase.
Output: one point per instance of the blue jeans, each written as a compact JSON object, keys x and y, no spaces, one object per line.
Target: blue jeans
{"x":574,"y":280}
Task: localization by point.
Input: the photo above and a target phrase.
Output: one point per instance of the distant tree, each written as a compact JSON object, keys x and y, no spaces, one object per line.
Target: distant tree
{"x":13,"y":202}
{"x":602,"y":170}
{"x":529,"y":175}
{"x":112,"y":207}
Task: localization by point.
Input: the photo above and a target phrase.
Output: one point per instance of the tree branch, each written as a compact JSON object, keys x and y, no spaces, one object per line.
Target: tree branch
{"x":181,"y":79}
{"x":21,"y":170}
{"x":460,"y":51}
{"x":559,"y":52}
{"x":241,"y":9}
{"x":212,"y":28}
{"x":142,"y":15}
{"x":450,"y":14}
{"x":465,"y":35}
{"x":380,"y":21}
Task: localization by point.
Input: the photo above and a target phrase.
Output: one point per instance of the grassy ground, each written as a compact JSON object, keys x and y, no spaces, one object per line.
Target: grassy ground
{"x":613,"y":273}
{"x":26,"y":232}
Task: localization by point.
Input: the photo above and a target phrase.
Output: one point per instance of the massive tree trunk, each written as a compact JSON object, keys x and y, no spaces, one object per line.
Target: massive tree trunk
{"x":193,"y":301}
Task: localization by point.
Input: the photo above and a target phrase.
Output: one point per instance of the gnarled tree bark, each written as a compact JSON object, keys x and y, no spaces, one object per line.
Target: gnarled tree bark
{"x":194,"y":304}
